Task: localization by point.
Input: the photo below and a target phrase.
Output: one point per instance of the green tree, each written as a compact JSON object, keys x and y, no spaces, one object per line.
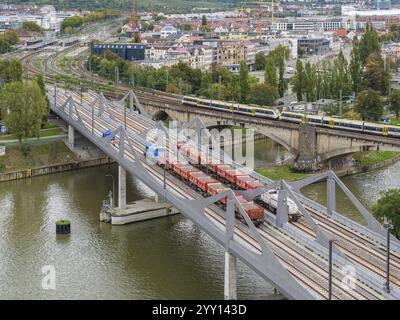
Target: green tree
{"x":204,"y":21}
{"x":219,"y":92}
{"x":235,"y":89}
{"x":243,"y":81}
{"x":263,"y":94}
{"x":369,"y":43}
{"x":23,"y":107}
{"x":11,"y":37}
{"x":299,"y":80}
{"x":31,"y":26}
{"x":260,"y":61}
{"x":395,"y":102}
{"x":369,"y":105}
{"x":282,"y":84}
{"x":375,"y":76}
{"x":11,"y":70}
{"x":40,"y":82}
{"x":389,"y":206}
{"x":356,"y":69}
{"x":270,"y":72}
{"x":310,"y":82}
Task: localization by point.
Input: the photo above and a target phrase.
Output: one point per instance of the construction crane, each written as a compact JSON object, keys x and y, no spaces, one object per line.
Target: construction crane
{"x":260,"y":15}
{"x":135,"y":25}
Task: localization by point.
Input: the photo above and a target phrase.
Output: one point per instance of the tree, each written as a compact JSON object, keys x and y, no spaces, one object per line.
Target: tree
{"x":356,"y":69}
{"x":235,"y":88}
{"x":10,"y":70}
{"x":263,"y":94}
{"x":310,"y":82}
{"x":369,"y":105}
{"x":395,"y":102}
{"x":31,"y":26}
{"x":260,"y":61}
{"x":204,"y":22}
{"x":219,"y":92}
{"x":243,"y":81}
{"x":40,"y":82}
{"x":282,"y":84}
{"x":11,"y":37}
{"x":389,"y":206}
{"x":23,"y":107}
{"x":270,"y":72}
{"x":375,"y":76}
{"x":369,"y":43}
{"x":299,"y":80}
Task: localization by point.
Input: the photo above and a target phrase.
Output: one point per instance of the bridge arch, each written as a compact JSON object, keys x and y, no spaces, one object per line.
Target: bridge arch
{"x":282,"y":142}
{"x":161,"y":115}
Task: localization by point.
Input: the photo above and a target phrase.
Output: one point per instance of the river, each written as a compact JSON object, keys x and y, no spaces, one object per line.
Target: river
{"x":168,"y":258}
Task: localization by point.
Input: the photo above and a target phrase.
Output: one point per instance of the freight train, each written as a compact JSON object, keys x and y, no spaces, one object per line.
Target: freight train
{"x":238,"y":179}
{"x":295,"y":117}
{"x":203,"y":183}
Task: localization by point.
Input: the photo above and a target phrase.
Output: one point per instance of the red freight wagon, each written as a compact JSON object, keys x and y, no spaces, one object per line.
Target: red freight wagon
{"x":213,"y":164}
{"x":216,"y":188}
{"x":254,"y":185}
{"x":177,"y":167}
{"x":243,"y":180}
{"x":222,"y":168}
{"x":195,"y":175}
{"x":204,"y":181}
{"x":248,"y":183}
{"x":253,"y":211}
{"x":186,"y":170}
{"x":232,"y":175}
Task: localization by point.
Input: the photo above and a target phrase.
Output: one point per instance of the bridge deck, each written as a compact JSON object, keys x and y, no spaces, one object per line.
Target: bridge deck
{"x":297,"y":251}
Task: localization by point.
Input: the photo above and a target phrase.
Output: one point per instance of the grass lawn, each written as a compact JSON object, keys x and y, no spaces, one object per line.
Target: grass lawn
{"x":40,"y":155}
{"x":367,"y":158}
{"x":281,"y":172}
{"x":395,"y":121}
{"x":43,"y":133}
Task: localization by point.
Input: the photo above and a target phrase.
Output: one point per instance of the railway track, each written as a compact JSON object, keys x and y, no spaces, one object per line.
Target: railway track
{"x":316,"y":271}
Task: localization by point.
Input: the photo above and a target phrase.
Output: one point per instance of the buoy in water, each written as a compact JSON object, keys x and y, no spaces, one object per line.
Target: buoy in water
{"x":63,"y":227}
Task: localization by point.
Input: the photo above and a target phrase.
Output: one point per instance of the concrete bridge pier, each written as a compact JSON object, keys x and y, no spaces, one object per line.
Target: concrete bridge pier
{"x":71,"y":136}
{"x":230,"y":279}
{"x":121,"y":188}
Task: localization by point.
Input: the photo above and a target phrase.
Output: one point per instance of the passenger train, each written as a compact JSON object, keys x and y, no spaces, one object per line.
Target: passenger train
{"x":295,"y":117}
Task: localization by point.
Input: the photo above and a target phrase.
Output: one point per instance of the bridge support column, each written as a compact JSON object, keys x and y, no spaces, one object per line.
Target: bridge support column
{"x":71,"y":136}
{"x":230,"y":292}
{"x":331,"y":195}
{"x":121,"y":188}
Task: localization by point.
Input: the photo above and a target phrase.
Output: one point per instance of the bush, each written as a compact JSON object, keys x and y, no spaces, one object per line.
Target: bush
{"x":26,"y":149}
{"x":2,"y":166}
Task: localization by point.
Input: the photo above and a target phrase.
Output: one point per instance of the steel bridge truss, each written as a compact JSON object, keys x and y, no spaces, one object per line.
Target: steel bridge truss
{"x":262,"y":260}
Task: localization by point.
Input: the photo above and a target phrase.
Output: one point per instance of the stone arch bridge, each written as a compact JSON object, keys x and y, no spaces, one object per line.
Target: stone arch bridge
{"x":311,"y":147}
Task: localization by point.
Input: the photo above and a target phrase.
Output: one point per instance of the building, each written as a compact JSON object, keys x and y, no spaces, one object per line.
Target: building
{"x":131,"y":52}
{"x":309,"y":46}
{"x":168,"y":31}
{"x":383,"y":5}
{"x":230,"y":53}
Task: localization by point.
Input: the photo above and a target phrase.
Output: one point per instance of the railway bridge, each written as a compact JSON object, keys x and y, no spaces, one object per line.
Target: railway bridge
{"x":296,"y":257}
{"x":310,"y":147}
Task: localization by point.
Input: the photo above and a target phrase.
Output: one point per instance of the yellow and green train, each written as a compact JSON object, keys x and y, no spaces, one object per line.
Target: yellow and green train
{"x":294,"y":117}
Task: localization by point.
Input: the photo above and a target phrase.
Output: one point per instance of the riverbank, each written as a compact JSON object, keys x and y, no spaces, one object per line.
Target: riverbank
{"x":284,"y":172}
{"x":368,"y":161}
{"x":365,"y":161}
{"x":41,"y":159}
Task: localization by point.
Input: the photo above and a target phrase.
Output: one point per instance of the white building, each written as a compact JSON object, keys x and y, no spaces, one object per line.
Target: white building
{"x":168,"y":31}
